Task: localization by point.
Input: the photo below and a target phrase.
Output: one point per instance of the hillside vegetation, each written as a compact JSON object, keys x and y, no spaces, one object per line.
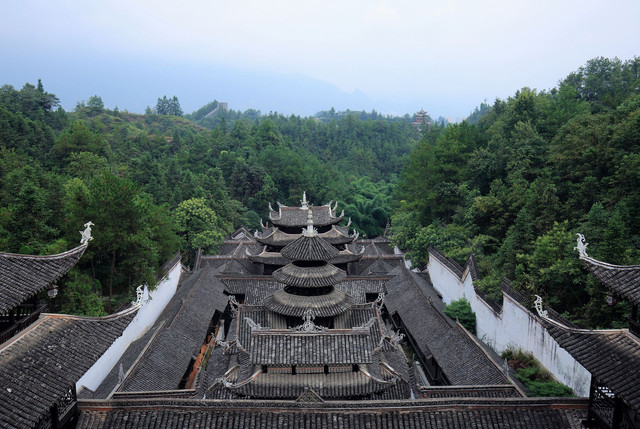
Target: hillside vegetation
{"x":514,"y":184}
{"x":518,"y":184}
{"x":156,"y":183}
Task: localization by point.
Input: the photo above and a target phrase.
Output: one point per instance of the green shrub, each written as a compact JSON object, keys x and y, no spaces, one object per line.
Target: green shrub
{"x":461,"y":310}
{"x":78,"y":296}
{"x":536,"y":379}
{"x":548,"y":388}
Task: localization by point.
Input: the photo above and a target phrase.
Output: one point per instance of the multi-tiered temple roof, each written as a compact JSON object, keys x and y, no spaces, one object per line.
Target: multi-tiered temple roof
{"x":313,"y":341}
{"x":289,"y":222}
{"x":282,"y":353}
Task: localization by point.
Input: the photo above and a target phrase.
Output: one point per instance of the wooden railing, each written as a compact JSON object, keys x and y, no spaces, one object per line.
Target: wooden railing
{"x":21,"y":324}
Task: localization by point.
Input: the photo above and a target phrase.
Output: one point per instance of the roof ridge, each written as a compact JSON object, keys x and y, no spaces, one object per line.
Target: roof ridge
{"x":608,"y":265}
{"x":195,"y":284}
{"x":476,"y":343}
{"x":137,"y":360}
{"x":46,"y":257}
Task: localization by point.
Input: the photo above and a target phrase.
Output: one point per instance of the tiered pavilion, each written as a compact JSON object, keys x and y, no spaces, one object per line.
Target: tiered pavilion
{"x":279,"y":330}
{"x":299,"y":325}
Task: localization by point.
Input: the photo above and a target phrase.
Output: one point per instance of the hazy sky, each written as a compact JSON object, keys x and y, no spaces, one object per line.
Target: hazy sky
{"x":445,"y":56}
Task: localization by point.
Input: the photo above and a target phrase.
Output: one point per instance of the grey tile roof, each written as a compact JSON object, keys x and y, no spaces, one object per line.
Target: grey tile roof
{"x":186,"y":319}
{"x":611,"y":356}
{"x":39,"y":365}
{"x":311,"y":277}
{"x":309,"y":249}
{"x":623,"y":280}
{"x":255,"y":289}
{"x":327,"y":305}
{"x":297,"y":348}
{"x":297,"y":217}
{"x":448,"y":262}
{"x":22,"y":276}
{"x":428,"y":414}
{"x":358,"y":288}
{"x":332,"y":386}
{"x":377,"y":263}
{"x":435,"y":392}
{"x":436,"y":335}
{"x":275,"y":237}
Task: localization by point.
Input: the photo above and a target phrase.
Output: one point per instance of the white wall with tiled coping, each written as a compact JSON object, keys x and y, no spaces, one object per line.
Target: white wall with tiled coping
{"x":515,"y":327}
{"x":152,"y":304}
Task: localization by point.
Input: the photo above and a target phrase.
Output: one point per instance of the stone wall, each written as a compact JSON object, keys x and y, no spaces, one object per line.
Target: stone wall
{"x":511,"y":325}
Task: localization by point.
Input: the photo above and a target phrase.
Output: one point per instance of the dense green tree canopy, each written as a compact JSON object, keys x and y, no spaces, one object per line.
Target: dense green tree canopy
{"x":530,"y":172}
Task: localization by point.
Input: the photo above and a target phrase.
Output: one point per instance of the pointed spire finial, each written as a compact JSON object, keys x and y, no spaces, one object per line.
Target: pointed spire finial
{"x":305,"y":203}
{"x":310,"y":231}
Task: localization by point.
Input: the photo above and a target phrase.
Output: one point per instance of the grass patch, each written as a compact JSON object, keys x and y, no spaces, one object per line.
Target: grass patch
{"x":536,"y":379}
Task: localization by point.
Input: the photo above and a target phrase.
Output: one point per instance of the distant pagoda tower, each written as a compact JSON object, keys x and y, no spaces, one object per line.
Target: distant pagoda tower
{"x":288,"y":224}
{"x":420,"y":120}
{"x":309,"y":280}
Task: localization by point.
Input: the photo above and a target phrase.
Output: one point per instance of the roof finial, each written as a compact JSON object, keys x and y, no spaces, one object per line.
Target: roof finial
{"x":310,"y":231}
{"x":305,"y":203}
{"x":581,"y":247}
{"x":538,"y":304}
{"x":86,"y":234}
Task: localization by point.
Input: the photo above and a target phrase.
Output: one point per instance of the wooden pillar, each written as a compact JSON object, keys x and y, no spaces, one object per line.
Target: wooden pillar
{"x":592,"y":389}
{"x":618,"y":410}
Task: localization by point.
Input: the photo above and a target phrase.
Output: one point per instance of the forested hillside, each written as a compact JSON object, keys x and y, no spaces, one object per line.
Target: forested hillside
{"x":513,"y":184}
{"x":531,"y":171}
{"x":156,"y":183}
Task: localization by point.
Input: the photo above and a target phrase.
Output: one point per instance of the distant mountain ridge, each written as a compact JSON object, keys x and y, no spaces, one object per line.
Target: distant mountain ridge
{"x":135,"y":83}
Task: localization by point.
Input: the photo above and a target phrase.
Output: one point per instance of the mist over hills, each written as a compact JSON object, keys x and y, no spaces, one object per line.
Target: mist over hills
{"x":135,"y":83}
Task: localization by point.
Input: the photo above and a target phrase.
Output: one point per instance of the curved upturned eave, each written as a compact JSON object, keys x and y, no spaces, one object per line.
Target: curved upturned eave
{"x":328,"y":305}
{"x":623,"y":280}
{"x":22,"y":276}
{"x":345,"y":256}
{"x":297,"y":217}
{"x":269,"y":258}
{"x":276,"y":237}
{"x":309,"y":277}
{"x":333,"y":385}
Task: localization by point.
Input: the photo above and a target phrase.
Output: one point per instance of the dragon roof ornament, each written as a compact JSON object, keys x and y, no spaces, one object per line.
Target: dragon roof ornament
{"x":233,"y":305}
{"x":366,"y":325}
{"x":253,"y":325}
{"x":395,"y":338}
{"x":581,"y":246}
{"x":379,"y":302}
{"x":538,"y":304}
{"x":86,"y":233}
{"x":222,"y":343}
{"x":140,"y":296}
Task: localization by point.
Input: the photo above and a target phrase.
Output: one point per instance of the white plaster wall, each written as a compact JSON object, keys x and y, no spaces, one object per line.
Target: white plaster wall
{"x":515,"y":327}
{"x":445,"y":281}
{"x":153,"y":303}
